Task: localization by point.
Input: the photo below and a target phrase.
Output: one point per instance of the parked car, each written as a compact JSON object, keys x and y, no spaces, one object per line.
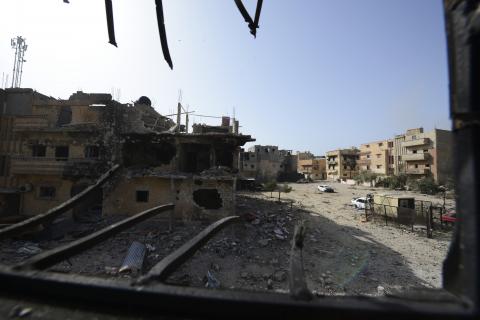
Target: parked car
{"x":450,"y":217}
{"x":325,"y":188}
{"x":359,"y":203}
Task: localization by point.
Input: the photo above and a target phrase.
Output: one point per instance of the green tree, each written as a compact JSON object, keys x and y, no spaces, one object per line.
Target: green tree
{"x":284,"y":188}
{"x":271,"y":186}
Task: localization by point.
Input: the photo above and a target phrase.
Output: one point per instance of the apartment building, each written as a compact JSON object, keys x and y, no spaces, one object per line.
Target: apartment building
{"x":377,"y":157}
{"x":342,"y":163}
{"x":421,"y":154}
{"x":52,"y":149}
{"x":265,"y":163}
{"x":311,"y":167}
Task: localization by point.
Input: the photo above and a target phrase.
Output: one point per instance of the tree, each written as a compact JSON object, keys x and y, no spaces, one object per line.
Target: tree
{"x":285,"y":188}
{"x":271,"y":186}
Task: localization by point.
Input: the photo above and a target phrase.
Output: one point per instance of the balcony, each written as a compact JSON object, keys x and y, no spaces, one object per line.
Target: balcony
{"x":29,"y":123}
{"x":364,"y":162}
{"x":415,"y":143}
{"x":332,"y":161}
{"x":417,"y":171}
{"x":416,"y":157}
{"x":364,"y":153}
{"x":46,"y":166}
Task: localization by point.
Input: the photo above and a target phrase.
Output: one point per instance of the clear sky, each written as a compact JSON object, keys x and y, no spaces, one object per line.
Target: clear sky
{"x":320,"y":75}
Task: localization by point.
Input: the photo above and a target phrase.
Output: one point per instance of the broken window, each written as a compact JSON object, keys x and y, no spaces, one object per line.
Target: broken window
{"x":144,"y":153}
{"x":3,"y":165}
{"x":92,"y":152}
{"x":39,"y":150}
{"x":46,"y":192}
{"x":224,"y":156}
{"x":207,"y":198}
{"x":61,"y":153}
{"x":194,"y":157}
{"x":142,"y":195}
{"x":64,"y":116}
{"x":414,"y":151}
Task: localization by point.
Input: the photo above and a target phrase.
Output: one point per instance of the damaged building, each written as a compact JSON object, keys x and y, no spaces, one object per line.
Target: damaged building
{"x":52,"y":149}
{"x":266,"y":163}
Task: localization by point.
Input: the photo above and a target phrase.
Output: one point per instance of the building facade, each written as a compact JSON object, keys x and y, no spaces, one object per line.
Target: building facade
{"x":424,"y":154}
{"x":52,"y":149}
{"x":377,"y":157}
{"x":311,"y":167}
{"x":267,"y":163}
{"x":342,"y":163}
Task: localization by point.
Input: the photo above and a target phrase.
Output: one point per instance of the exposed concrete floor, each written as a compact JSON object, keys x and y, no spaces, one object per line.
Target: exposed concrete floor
{"x":342,"y":255}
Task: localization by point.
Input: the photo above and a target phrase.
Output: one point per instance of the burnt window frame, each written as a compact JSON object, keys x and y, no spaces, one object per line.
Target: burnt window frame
{"x":62,"y":158}
{"x":42,"y":188}
{"x":39,"y":147}
{"x":142,"y":196}
{"x":88,"y":152}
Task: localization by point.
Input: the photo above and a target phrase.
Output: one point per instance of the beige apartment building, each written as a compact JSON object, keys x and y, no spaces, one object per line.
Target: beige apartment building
{"x":377,"y":157}
{"x":420,"y":154}
{"x":342,"y":163}
{"x":311,"y":167}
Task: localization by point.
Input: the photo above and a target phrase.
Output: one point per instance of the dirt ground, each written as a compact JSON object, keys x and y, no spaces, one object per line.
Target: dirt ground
{"x":343,"y":254}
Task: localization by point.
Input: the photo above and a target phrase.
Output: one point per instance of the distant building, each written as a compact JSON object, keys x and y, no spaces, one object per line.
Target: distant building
{"x":342,"y":163}
{"x":377,"y":157}
{"x":420,"y":154}
{"x":265,"y":163}
{"x":311,"y":167}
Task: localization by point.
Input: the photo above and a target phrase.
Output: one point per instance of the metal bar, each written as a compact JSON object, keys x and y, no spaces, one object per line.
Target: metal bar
{"x":58,"y":210}
{"x":297,"y":283}
{"x":170,"y":263}
{"x":110,"y":24}
{"x":257,"y":17}
{"x":51,"y":257}
{"x":245,"y":14}
{"x":163,"y":33}
{"x":109,"y":296}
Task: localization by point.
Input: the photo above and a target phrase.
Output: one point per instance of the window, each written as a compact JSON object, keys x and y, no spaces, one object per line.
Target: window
{"x":368,"y":156}
{"x":414,"y":151}
{"x":425,"y":150}
{"x":61,"y":153}
{"x":414,"y":137}
{"x":379,"y":166}
{"x":39,"y":150}
{"x":368,"y":167}
{"x":142,"y":195}
{"x":416,"y":166}
{"x":252,"y":166}
{"x":3,"y":165}
{"x":380,"y":144}
{"x":46,"y":192}
{"x":92,"y":152}
{"x":345,"y":167}
{"x":378,"y":156}
{"x":427,"y":165}
{"x":390,"y":144}
{"x":367,"y":146}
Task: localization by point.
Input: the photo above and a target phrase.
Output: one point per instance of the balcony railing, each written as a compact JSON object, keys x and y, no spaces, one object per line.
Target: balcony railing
{"x":332,"y":161}
{"x":30,"y":122}
{"x":364,"y":162}
{"x":416,"y":157}
{"x":417,"y":171}
{"x":44,"y":166}
{"x":415,"y":143}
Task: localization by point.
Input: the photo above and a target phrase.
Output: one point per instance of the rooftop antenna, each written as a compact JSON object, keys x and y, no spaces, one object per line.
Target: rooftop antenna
{"x":20,"y":47}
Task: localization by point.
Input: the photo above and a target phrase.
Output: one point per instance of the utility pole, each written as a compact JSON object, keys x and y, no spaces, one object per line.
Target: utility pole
{"x":20,"y":47}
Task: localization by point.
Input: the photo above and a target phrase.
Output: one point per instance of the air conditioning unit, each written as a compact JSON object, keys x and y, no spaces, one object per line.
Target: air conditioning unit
{"x":26,"y":187}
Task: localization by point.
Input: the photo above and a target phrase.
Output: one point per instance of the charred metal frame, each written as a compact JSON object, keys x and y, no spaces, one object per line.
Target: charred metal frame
{"x":460,"y":299}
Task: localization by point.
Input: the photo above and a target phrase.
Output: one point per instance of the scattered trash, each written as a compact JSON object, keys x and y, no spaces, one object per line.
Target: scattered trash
{"x":30,"y":249}
{"x":211,"y":281}
{"x":111,"y":271}
{"x":150,"y":248}
{"x":19,"y":312}
{"x":133,"y":261}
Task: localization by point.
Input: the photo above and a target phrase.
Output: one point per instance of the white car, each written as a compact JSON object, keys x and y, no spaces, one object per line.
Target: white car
{"x":325,"y":188}
{"x":359,"y":203}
